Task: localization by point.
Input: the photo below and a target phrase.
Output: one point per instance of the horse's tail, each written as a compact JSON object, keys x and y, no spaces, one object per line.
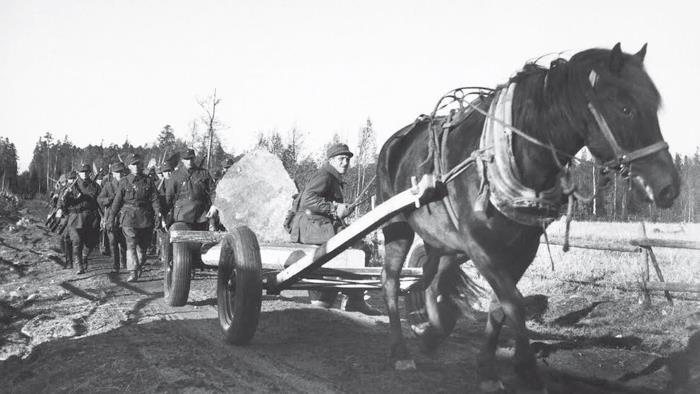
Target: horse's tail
{"x":464,"y":293}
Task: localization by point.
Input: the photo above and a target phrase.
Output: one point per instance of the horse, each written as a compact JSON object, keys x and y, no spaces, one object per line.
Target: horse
{"x":494,"y":213}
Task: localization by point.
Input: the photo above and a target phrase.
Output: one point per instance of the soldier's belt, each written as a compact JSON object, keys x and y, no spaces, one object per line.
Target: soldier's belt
{"x":138,"y":205}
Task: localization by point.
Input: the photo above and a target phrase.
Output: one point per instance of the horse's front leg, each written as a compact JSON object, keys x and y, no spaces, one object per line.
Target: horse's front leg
{"x":486,"y":370}
{"x":397,"y":242}
{"x":512,"y":307}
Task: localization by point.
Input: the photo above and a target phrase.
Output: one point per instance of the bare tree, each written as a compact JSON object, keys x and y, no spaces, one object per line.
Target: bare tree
{"x":209,"y":118}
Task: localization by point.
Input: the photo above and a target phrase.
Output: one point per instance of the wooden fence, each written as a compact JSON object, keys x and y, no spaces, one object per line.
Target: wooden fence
{"x":643,"y":245}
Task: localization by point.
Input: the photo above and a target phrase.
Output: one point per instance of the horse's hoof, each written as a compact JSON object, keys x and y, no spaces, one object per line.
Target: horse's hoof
{"x":429,"y":337}
{"x":404,"y":365}
{"x":420,"y":329}
{"x":491,"y":386}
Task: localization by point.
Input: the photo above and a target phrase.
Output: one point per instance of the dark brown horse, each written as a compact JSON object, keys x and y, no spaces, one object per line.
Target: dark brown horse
{"x":601,"y":99}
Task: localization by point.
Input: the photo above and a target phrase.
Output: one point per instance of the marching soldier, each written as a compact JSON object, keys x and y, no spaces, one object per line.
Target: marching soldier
{"x":117,"y":243}
{"x":321,"y":216}
{"x":60,"y":227}
{"x":192,"y":195}
{"x":83,"y":218}
{"x":165,"y":172}
{"x":136,"y":204}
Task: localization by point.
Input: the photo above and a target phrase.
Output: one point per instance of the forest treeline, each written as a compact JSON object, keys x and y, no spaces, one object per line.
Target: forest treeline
{"x":614,"y":201}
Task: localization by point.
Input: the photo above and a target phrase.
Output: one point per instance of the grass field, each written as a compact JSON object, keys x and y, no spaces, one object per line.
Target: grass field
{"x":582,"y":277}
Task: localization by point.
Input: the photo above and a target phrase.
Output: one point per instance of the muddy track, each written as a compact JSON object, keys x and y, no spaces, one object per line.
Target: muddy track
{"x":98,"y":333}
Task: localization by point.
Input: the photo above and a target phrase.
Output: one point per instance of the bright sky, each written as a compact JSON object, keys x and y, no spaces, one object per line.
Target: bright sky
{"x":104,"y":70}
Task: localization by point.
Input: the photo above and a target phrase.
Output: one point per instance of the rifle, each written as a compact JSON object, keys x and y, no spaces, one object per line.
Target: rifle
{"x":52,"y":222}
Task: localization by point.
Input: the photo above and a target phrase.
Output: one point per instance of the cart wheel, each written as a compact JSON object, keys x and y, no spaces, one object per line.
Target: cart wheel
{"x":176,"y":275}
{"x":239,"y":288}
{"x":415,"y":296}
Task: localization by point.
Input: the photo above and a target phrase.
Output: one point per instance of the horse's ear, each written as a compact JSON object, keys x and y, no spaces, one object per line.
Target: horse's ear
{"x":616,"y":59}
{"x":642,"y":52}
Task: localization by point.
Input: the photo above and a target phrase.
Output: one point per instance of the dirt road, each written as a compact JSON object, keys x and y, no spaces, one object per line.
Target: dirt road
{"x":97,"y":333}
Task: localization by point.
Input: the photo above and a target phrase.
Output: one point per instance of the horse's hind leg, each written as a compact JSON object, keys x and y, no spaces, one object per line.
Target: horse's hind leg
{"x":442,"y":313}
{"x":398,"y":237}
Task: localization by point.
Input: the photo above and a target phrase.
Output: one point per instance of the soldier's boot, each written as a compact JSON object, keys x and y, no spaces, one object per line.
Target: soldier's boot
{"x":133,"y":277}
{"x":69,"y":254}
{"x":323,"y":298}
{"x":121,"y":252}
{"x":78,"y":260}
{"x":355,"y":302}
{"x":115,"y":261}
{"x":86,"y":254}
{"x":140,"y":260}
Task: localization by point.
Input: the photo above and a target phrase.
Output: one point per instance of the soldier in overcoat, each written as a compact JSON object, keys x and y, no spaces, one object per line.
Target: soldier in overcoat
{"x":117,"y":243}
{"x":165,"y":182}
{"x":321,"y":216}
{"x":191,"y":197}
{"x":137,"y":207}
{"x":64,"y":181}
{"x":83,"y":218}
{"x":192,"y":193}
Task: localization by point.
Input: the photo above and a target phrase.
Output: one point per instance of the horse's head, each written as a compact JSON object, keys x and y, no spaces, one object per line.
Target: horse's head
{"x":623,"y":131}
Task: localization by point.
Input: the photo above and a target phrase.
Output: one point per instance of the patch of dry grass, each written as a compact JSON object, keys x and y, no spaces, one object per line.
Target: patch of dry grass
{"x":591,"y":275}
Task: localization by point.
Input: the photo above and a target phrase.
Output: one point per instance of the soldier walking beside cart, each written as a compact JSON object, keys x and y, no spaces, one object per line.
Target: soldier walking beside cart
{"x":83,"y":218}
{"x":165,"y":182}
{"x":137,"y":207}
{"x":191,"y":197}
{"x":117,"y":243}
{"x":321,"y":214}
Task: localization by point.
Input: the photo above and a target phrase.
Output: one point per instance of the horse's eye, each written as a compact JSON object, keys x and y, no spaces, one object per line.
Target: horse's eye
{"x":627,"y":111}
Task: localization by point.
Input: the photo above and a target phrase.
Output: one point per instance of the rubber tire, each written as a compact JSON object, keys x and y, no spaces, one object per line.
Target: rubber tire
{"x":415,"y":296}
{"x":239,"y":286}
{"x":176,"y":276}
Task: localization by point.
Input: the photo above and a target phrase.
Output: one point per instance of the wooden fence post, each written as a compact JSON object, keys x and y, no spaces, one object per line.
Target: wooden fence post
{"x":659,"y":274}
{"x":645,"y":297}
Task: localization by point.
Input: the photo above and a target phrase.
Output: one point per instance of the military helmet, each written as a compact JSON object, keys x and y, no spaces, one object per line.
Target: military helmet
{"x":188,"y":154}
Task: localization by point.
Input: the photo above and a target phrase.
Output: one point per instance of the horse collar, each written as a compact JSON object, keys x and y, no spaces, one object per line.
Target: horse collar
{"x":507,"y":193}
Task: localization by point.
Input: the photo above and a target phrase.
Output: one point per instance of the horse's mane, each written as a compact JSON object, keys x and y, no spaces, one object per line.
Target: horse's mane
{"x":547,"y":98}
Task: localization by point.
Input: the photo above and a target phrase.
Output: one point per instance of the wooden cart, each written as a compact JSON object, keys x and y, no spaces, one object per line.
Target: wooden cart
{"x":242,"y":276}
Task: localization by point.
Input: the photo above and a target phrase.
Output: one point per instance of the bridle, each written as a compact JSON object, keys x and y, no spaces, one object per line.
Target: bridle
{"x":623,"y":159}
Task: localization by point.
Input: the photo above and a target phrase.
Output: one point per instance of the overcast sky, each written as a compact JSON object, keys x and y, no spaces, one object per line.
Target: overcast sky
{"x":102,"y":71}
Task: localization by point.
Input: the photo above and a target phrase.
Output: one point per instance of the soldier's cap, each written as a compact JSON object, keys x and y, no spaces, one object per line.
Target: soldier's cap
{"x":117,"y":167}
{"x":337,"y":150}
{"x":135,"y":159}
{"x":187,"y":154}
{"x":72,"y":175}
{"x":85,"y":168}
{"x":166,"y":167}
{"x":227,"y":162}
